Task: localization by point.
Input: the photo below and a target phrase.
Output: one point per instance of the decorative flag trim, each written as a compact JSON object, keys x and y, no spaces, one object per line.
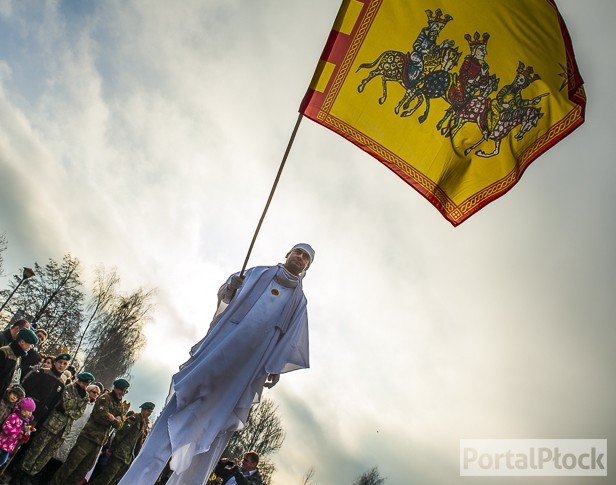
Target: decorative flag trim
{"x":340,"y":57}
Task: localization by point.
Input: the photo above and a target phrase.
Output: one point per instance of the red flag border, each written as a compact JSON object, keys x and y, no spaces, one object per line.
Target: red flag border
{"x":342,"y":50}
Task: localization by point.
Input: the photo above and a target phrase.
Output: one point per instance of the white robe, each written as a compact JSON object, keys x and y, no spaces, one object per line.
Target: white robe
{"x":263,"y":331}
{"x":71,"y":438}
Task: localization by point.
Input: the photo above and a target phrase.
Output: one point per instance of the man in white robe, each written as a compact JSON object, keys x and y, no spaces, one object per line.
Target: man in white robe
{"x":260,"y":335}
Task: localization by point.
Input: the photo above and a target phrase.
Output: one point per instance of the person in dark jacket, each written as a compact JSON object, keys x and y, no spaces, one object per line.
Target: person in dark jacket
{"x":246,"y":474}
{"x":11,"y":354}
{"x":45,"y":386}
{"x":51,"y":434}
{"x":10,"y":334}
{"x":34,"y":357}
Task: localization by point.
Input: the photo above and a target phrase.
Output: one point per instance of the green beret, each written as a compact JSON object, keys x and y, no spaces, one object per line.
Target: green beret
{"x":147,"y":405}
{"x":62,"y":356}
{"x":85,"y":376}
{"x":121,"y":384}
{"x":28,"y":336}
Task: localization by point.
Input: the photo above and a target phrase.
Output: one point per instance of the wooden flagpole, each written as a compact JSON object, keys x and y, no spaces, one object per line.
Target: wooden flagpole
{"x":271,"y":195}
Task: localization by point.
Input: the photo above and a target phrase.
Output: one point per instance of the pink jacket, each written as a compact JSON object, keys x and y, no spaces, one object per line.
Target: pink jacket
{"x":13,"y":429}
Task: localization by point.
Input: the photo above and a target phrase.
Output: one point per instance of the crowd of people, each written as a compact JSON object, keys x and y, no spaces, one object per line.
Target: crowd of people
{"x":50,"y":412}
{"x":59,"y":426}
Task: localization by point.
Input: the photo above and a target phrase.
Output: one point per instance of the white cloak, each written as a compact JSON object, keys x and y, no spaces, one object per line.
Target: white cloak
{"x":263,"y":331}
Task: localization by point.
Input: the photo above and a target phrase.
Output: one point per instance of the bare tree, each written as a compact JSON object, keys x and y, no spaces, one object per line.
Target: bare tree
{"x":116,"y":337}
{"x":103,"y":296}
{"x":263,"y":434}
{"x":370,"y":477}
{"x":53,"y":300}
{"x":3,"y":245}
{"x":308,"y":478}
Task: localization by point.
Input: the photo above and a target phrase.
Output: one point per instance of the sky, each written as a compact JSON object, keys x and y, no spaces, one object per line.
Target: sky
{"x":146,"y":136}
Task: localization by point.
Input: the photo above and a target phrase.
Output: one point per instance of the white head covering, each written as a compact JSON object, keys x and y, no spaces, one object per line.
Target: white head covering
{"x":304,"y":247}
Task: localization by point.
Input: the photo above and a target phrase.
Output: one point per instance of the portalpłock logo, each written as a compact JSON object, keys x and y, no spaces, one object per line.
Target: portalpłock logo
{"x":533,"y":457}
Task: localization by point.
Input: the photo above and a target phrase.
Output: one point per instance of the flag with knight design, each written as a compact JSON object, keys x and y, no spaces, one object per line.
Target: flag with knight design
{"x":456,"y":98}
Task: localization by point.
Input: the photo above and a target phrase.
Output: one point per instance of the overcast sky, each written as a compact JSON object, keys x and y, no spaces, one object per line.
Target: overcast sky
{"x":146,"y":136}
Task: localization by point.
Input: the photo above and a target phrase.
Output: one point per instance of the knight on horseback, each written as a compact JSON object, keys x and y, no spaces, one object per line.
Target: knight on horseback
{"x":425,"y":45}
{"x":509,"y":110}
{"x":470,"y":88}
{"x":407,"y":69}
{"x":509,"y":98}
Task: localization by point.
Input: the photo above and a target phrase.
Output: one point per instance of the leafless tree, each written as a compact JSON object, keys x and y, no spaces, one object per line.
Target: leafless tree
{"x":54,"y":301}
{"x":103,"y":296}
{"x":308,"y":478}
{"x":370,"y":477}
{"x":116,"y":337}
{"x":3,"y":245}
{"x":262,"y":434}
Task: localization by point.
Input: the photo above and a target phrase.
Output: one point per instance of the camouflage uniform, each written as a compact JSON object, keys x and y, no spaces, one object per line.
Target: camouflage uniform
{"x":123,"y":447}
{"x":93,"y":436}
{"x":55,"y":428}
{"x":46,"y":387}
{"x":10,"y":358}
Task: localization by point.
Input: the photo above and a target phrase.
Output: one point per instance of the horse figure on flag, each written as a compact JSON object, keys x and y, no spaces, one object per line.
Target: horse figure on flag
{"x":472,"y":85}
{"x":392,"y":65}
{"x":407,"y":69}
{"x":508,"y":111}
{"x":433,"y":85}
{"x":474,"y":110}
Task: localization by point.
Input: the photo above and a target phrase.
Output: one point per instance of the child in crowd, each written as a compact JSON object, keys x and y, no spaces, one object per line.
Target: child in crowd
{"x":16,"y":429}
{"x":11,"y":397}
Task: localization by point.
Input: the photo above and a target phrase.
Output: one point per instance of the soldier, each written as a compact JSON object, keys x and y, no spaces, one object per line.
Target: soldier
{"x":11,"y":354}
{"x":49,"y":438}
{"x":125,"y":445}
{"x":33,"y":359}
{"x":45,"y":386}
{"x":10,"y":334}
{"x":109,"y":412}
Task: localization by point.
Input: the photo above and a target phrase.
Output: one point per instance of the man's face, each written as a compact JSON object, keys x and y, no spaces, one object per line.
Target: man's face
{"x":25,"y":346}
{"x":82,"y":384}
{"x":41,"y":336}
{"x":481,"y":52}
{"x":248,"y":465}
{"x":146,"y":413}
{"x":120,"y":393}
{"x":297,"y":261}
{"x":60,"y":365}
{"x":434,"y":29}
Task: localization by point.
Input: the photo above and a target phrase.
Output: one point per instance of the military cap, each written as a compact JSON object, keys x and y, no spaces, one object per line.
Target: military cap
{"x":121,"y":384}
{"x":85,"y":376}
{"x":147,"y":405}
{"x":62,"y":356}
{"x":28,"y":336}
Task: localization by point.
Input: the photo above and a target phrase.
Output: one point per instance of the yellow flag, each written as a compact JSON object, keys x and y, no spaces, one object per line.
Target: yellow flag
{"x":456,"y":98}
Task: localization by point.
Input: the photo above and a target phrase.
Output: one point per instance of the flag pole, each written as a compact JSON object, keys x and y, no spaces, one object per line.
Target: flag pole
{"x":271,"y":195}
